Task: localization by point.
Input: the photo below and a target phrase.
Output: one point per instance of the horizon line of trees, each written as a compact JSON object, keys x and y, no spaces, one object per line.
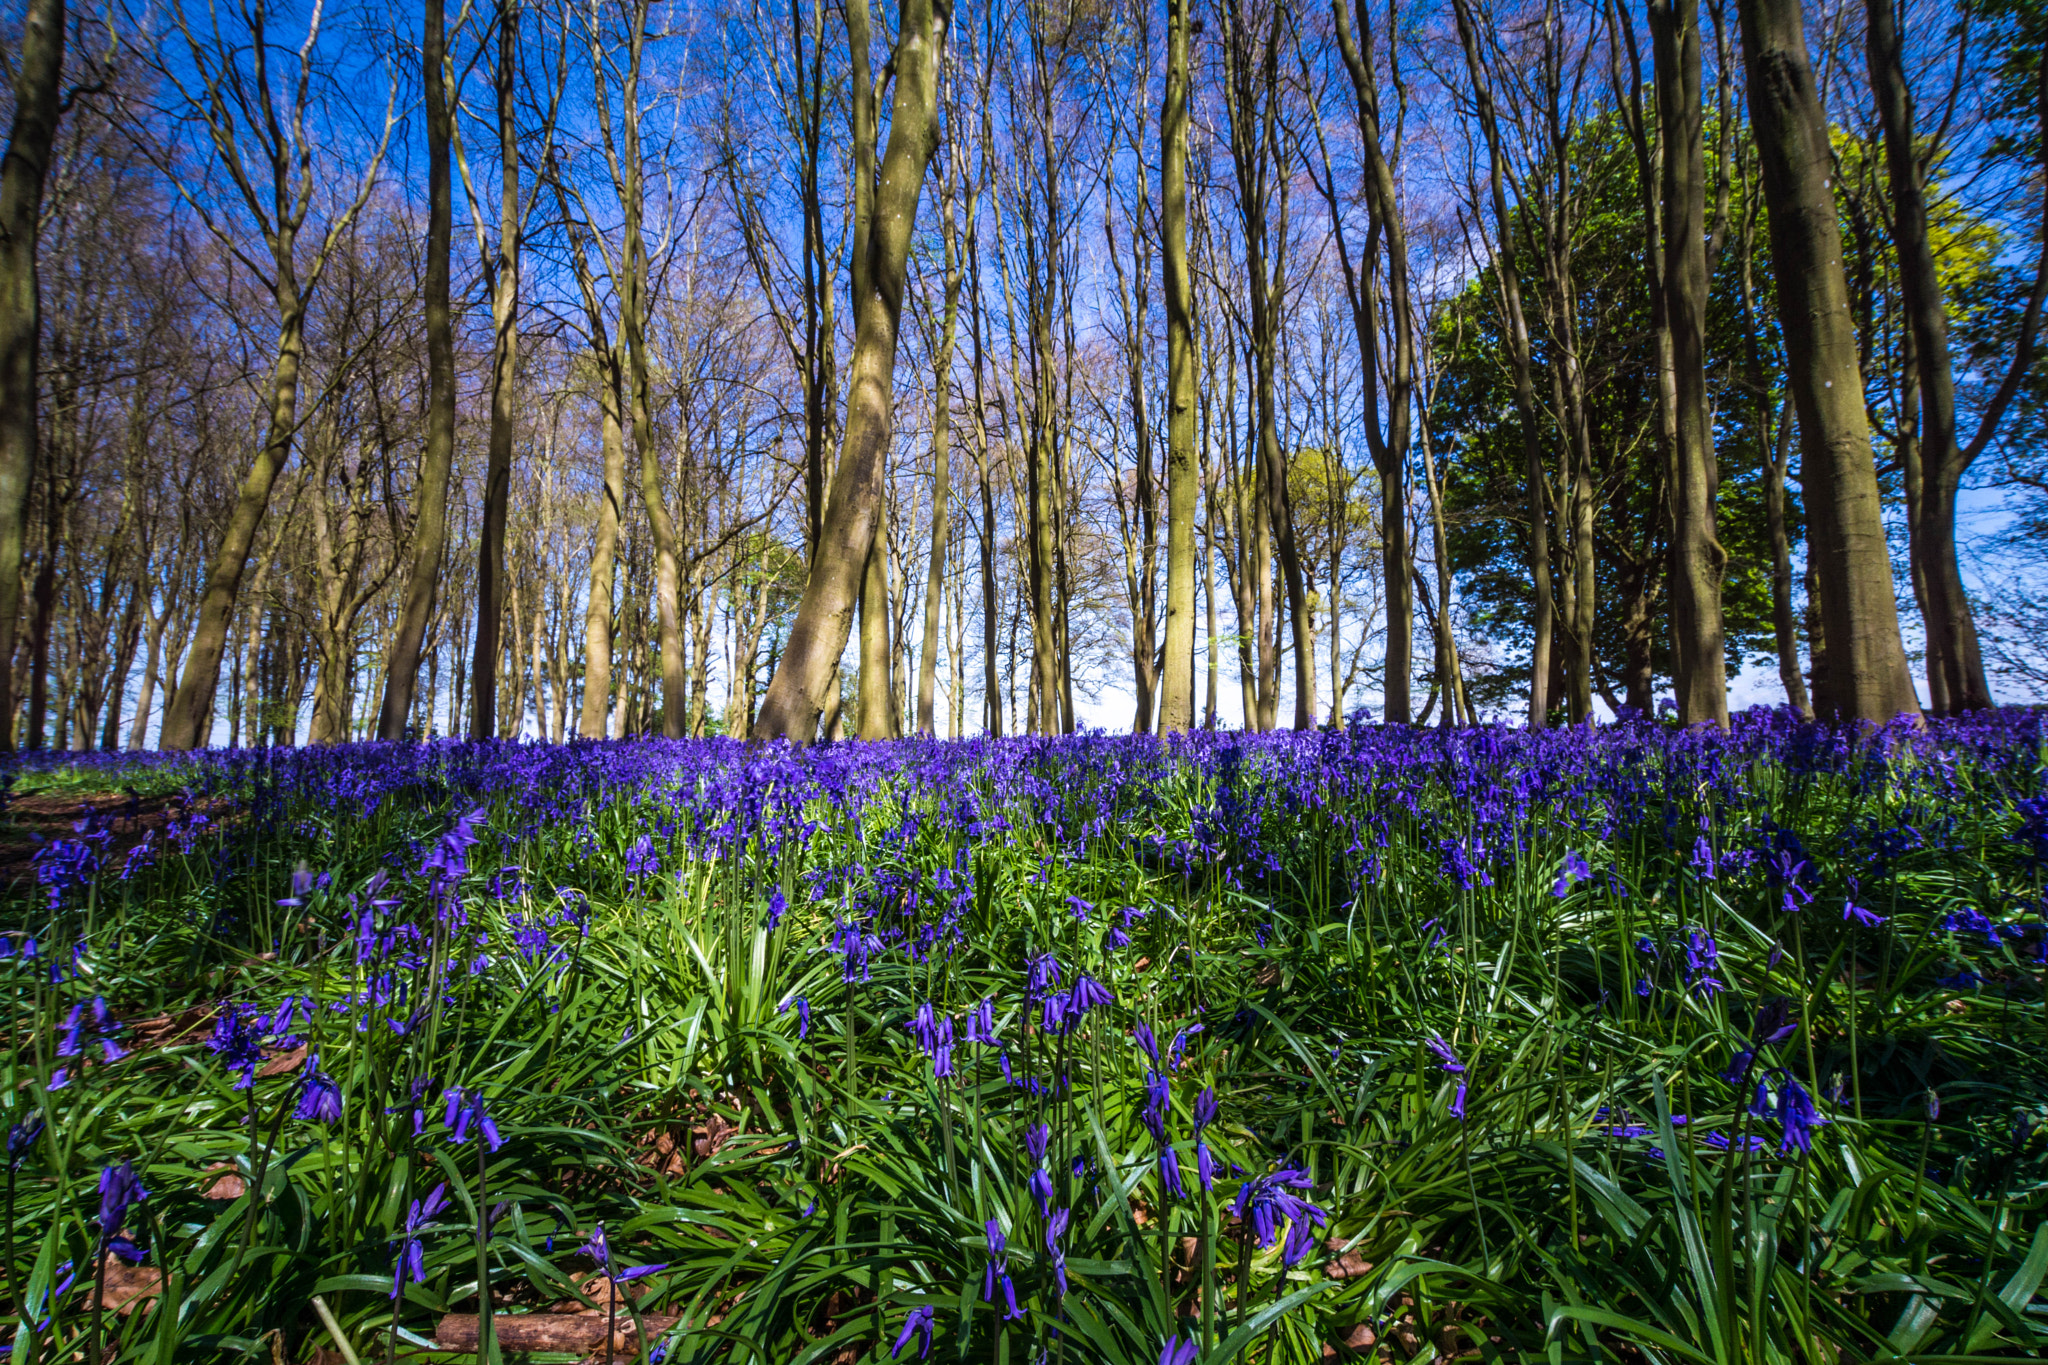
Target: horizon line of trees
{"x":636,"y":367}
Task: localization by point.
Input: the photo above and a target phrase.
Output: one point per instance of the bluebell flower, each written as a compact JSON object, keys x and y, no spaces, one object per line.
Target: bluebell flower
{"x":1575,"y":870}
{"x":21,"y":1140}
{"x":919,"y":1325}
{"x":319,"y":1096}
{"x":1205,"y":1165}
{"x":1169,"y":1172}
{"x":120,"y":1190}
{"x":1040,"y":1186}
{"x":1158,"y":1101}
{"x":1266,"y":1203}
{"x":1868,"y":919}
{"x":1179,"y":1350}
{"x":237,"y":1042}
{"x":1797,"y":1113}
{"x":599,"y":1249}
{"x":1206,"y":1111}
{"x":410,"y":1265}
{"x":1738,"y":1067}
{"x":1457,"y":1109}
{"x":996,"y":1273}
{"x":1446,"y":1058}
{"x":1056,"y":1228}
{"x":981,"y":1023}
{"x":778,"y":906}
{"x":1037,"y":1139}
{"x":1141,"y":1034}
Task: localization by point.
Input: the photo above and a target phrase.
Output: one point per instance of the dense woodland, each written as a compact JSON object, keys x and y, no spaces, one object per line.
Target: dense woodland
{"x":614,"y":367}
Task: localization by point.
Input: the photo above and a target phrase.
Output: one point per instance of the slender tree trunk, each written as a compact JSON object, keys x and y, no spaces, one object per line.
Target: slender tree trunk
{"x":38,"y":76}
{"x":797,"y":692}
{"x":430,"y":521}
{"x":1697,"y":556}
{"x":942,"y":419}
{"x":1865,"y":678}
{"x":503,"y":277}
{"x":1183,"y":480}
{"x":597,"y":613}
{"x":1954,"y":656}
{"x":1541,"y":603}
{"x":1389,"y":449}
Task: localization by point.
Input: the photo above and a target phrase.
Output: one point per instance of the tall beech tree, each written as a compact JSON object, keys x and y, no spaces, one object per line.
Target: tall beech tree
{"x":1183,"y":478}
{"x":1698,"y":561}
{"x":1860,"y":673}
{"x":798,"y":691}
{"x":1955,"y":661}
{"x":38,"y":76}
{"x":437,"y":463}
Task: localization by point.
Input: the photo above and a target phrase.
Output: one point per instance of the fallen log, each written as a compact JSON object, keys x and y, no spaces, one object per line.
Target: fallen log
{"x":580,"y":1332}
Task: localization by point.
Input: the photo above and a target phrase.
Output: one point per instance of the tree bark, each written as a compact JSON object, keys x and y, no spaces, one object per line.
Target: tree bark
{"x":430,"y":520}
{"x":38,"y":74}
{"x":1183,"y":481}
{"x":1389,"y":449}
{"x":1541,"y":602}
{"x":597,"y":612}
{"x":1697,"y":557}
{"x":1955,"y":663}
{"x":1865,"y":677}
{"x":797,"y":693}
{"x":942,"y":425}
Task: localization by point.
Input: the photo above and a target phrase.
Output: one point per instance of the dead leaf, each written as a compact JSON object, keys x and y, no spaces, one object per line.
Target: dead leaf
{"x":127,"y":1286}
{"x":229,"y":1186}
{"x":283,"y":1062}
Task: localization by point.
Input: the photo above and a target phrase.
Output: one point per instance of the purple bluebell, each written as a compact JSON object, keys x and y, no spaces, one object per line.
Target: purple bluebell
{"x":1056,"y":1228}
{"x":409,"y":1267}
{"x":1268,"y":1202}
{"x":1446,"y":1058}
{"x":1205,"y":1165}
{"x":1037,"y":1139}
{"x":981,"y":1023}
{"x":1206,"y":1111}
{"x":1141,"y":1034}
{"x":120,"y":1190}
{"x":1797,"y":1113}
{"x":778,"y":906}
{"x":996,"y":1273}
{"x":1169,"y":1172}
{"x":599,"y":1249}
{"x":1158,"y":1103}
{"x":919,"y":1325}
{"x":1179,"y":1350}
{"x":1738,"y":1067}
{"x":21,"y":1140}
{"x":1575,"y":870}
{"x":1868,"y":919}
{"x":1457,"y":1109}
{"x":319,"y":1096}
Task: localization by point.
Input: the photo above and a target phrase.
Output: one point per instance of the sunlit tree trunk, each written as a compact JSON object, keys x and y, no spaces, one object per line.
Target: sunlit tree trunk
{"x":38,"y":74}
{"x":430,"y":513}
{"x":797,"y":693}
{"x":1534,"y":478}
{"x":1697,"y":556}
{"x":1865,"y":676}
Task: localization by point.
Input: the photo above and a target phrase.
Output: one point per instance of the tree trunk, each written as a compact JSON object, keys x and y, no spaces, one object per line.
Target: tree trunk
{"x":1541,"y":605}
{"x":430,"y":522}
{"x":797,"y":693}
{"x":502,"y":275}
{"x":1865,"y":678}
{"x":1955,"y":665}
{"x":597,"y":613}
{"x":942,"y":419}
{"x":1697,"y":556}
{"x":1389,"y":450}
{"x":38,"y":74}
{"x":1183,"y":483}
